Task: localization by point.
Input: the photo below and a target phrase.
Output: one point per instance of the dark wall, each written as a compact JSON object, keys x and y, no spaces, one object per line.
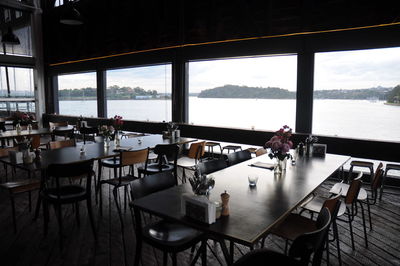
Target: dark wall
{"x":118,"y":26}
{"x":378,"y":150}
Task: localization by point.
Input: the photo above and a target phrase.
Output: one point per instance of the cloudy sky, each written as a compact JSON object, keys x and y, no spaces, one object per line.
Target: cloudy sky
{"x":333,"y":70}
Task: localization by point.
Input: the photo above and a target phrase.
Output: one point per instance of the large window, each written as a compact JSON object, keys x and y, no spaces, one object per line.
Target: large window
{"x":355,"y":95}
{"x":140,"y":93}
{"x":254,"y":93}
{"x":77,"y":94}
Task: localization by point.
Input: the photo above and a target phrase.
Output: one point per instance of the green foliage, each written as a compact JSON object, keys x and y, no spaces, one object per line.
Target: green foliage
{"x":394,"y":95}
{"x":113,"y":93}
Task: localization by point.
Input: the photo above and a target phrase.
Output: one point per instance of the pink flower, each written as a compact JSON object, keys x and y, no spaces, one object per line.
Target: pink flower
{"x":276,"y":145}
{"x":290,"y":143}
{"x":285,"y":148}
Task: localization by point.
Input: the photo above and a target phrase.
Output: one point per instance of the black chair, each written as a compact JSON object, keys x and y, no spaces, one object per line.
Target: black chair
{"x":209,"y":167}
{"x":167,"y":236}
{"x":300,"y":251}
{"x":166,"y":153}
{"x":238,"y":157}
{"x":58,"y":189}
{"x":89,"y":133}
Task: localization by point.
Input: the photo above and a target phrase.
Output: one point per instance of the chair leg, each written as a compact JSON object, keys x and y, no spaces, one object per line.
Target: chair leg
{"x":336,"y":234}
{"x":13,"y":212}
{"x":165,"y":258}
{"x":90,"y":213}
{"x":59,"y":219}
{"x":369,"y":216}
{"x":138,"y":253}
{"x":364,"y":225}
{"x":115,"y":192}
{"x":77,"y":213}
{"x":125,"y":197}
{"x":99,"y":173}
{"x":174,"y":262}
{"x":351,"y":231}
{"x":100,"y":192}
{"x":46,"y":217}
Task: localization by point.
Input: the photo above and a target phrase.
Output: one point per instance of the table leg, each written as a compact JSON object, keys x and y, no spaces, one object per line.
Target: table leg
{"x":227,"y":256}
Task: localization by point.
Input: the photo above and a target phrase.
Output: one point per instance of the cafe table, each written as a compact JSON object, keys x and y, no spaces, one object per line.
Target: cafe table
{"x":253,"y":211}
{"x":95,"y":151}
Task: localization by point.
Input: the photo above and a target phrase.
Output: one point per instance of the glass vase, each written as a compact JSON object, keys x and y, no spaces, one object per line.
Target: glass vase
{"x":106,"y":142}
{"x":280,"y":166}
{"x":117,"y":139}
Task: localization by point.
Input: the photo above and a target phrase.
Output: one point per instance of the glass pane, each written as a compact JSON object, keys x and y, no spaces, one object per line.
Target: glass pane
{"x":140,"y":93}
{"x":77,"y":94}
{"x":256,"y":93}
{"x":351,"y":90}
{"x":3,"y":82}
{"x":23,"y":31}
{"x":21,"y":82}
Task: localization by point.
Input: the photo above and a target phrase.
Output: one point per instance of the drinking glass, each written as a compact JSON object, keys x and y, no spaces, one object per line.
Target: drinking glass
{"x":253,"y":180}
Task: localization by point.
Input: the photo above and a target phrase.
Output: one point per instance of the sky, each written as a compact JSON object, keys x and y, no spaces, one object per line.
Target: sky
{"x":333,"y":70}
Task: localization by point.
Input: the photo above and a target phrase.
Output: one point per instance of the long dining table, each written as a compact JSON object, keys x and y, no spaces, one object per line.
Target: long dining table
{"x":253,"y":211}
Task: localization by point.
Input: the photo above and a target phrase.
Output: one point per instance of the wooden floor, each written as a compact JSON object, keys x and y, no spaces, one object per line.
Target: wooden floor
{"x":29,"y":246}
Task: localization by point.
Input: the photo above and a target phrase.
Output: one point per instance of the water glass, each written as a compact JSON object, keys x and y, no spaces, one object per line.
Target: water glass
{"x":253,"y":180}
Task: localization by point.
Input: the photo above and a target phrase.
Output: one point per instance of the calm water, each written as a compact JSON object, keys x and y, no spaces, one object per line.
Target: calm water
{"x":348,"y":118}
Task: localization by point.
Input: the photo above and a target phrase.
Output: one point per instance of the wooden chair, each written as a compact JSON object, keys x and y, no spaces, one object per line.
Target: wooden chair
{"x":360,"y":164}
{"x":167,"y":236}
{"x":230,"y":148}
{"x":389,"y":167}
{"x":166,"y":153}
{"x":347,"y":209}
{"x":300,"y":251}
{"x":127,"y":158}
{"x":89,"y":132}
{"x":260,"y":152}
{"x":238,"y":157}
{"x":296,"y":224}
{"x":363,"y":194}
{"x":4,"y":153}
{"x":189,"y":162}
{"x":18,"y":186}
{"x":209,"y":167}
{"x":52,"y":145}
{"x":210,"y":148}
{"x":56,"y":191}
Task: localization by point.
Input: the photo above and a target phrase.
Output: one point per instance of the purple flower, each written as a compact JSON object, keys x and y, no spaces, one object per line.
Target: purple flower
{"x":276,"y":145}
{"x":285,"y":148}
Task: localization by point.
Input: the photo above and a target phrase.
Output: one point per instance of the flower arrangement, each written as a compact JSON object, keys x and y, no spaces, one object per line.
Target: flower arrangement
{"x":23,"y":118}
{"x":280,"y":144}
{"x":118,"y":122}
{"x":171,"y":126}
{"x":107,"y":131}
{"x":201,"y":185}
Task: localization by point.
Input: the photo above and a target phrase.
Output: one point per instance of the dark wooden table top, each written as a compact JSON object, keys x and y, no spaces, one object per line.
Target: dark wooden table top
{"x":96,"y":151}
{"x":253,"y":211}
{"x":41,"y":131}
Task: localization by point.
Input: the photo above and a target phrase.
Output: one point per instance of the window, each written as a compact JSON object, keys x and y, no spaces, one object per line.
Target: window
{"x":253,"y":93}
{"x":77,"y":94}
{"x":351,"y":93}
{"x":21,"y":81}
{"x":140,"y":93}
{"x":20,"y":26}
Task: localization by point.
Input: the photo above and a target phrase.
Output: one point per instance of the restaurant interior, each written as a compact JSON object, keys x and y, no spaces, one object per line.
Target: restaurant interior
{"x":199,"y":132}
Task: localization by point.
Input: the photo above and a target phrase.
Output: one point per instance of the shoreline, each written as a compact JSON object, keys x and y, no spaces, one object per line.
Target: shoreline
{"x":392,"y":104}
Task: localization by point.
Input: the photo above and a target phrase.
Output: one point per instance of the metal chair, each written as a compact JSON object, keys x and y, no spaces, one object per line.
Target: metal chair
{"x":189,"y":162}
{"x":238,"y":157}
{"x":167,"y":236}
{"x":209,"y":167}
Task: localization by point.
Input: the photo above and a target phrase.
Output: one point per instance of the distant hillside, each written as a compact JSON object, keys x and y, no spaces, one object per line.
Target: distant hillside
{"x":235,"y":91}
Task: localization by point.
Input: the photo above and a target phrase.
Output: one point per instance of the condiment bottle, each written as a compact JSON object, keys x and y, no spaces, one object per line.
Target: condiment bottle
{"x":225,"y":203}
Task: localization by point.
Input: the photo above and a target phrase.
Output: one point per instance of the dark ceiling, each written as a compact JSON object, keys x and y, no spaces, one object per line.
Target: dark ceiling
{"x":117,"y":26}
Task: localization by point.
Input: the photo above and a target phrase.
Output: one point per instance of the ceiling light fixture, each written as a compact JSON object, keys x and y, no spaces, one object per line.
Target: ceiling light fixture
{"x":71,"y":16}
{"x":10,"y":38}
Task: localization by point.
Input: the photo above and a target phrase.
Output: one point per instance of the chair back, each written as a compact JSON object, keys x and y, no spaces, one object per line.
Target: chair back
{"x":58,"y":124}
{"x":82,"y":169}
{"x":377,"y":180}
{"x":52,"y":145}
{"x":312,"y":242}
{"x":168,"y":151}
{"x":4,"y":151}
{"x":209,"y":167}
{"x":238,"y":157}
{"x":88,"y":131}
{"x":151,"y":184}
{"x":196,"y":150}
{"x":354,"y":189}
{"x":333,"y":205}
{"x":260,"y":152}
{"x":35,"y":141}
{"x":134,"y":157}
{"x":3,"y":125}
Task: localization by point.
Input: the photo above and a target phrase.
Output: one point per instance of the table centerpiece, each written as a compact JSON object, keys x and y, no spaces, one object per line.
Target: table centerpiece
{"x":279,"y":147}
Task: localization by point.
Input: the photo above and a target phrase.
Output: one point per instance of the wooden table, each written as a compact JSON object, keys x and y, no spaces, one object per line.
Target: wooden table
{"x":253,"y":211}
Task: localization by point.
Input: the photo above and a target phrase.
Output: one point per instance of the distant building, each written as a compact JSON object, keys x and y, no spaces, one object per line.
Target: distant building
{"x":143,"y":97}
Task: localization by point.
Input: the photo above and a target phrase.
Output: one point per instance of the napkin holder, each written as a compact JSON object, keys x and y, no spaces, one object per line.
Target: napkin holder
{"x":319,"y":150}
{"x":198,"y":208}
{"x":16,"y":157}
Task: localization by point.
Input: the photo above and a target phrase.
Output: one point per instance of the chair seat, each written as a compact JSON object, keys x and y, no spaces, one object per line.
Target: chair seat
{"x":22,"y":186}
{"x":362,"y":195}
{"x":316,"y":204}
{"x":154,"y":168}
{"x":293,"y":226}
{"x":67,"y":193}
{"x":170,"y":234}
{"x":186,"y":162}
{"x":125,"y":180}
{"x":112,"y":162}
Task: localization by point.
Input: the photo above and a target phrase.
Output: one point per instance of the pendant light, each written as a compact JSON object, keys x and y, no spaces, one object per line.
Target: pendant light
{"x":10,"y":38}
{"x":70,"y":15}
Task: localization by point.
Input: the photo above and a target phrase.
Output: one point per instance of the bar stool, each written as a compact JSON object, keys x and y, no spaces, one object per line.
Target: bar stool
{"x":210,"y":148}
{"x":389,"y":166}
{"x":231,"y":148}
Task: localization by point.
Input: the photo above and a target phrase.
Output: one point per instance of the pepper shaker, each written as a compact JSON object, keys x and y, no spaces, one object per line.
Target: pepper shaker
{"x":225,"y":203}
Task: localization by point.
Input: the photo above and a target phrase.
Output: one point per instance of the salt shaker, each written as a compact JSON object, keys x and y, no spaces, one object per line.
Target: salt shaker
{"x":225,"y":203}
